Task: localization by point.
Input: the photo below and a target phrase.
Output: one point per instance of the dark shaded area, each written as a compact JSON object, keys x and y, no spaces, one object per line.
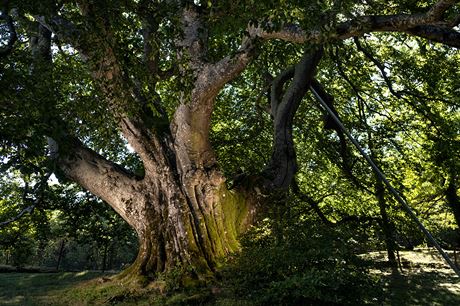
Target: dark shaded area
{"x":29,"y":288}
{"x":420,"y":288}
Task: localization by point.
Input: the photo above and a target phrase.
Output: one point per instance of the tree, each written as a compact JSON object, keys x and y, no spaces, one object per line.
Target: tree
{"x":152,"y":72}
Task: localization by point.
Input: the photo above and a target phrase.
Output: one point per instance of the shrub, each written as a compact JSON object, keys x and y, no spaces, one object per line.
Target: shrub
{"x":303,"y":264}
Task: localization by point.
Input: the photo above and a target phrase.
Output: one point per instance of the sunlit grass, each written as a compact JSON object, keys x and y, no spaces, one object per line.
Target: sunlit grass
{"x":424,"y":280}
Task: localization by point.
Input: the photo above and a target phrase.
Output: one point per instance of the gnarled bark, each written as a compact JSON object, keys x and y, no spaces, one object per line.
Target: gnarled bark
{"x":192,"y":221}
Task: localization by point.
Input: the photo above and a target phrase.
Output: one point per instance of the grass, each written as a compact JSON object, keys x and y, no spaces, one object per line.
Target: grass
{"x":39,"y":288}
{"x":424,"y":280}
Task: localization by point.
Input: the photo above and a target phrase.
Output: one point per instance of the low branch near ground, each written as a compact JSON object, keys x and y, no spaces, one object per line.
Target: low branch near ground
{"x":310,"y":201}
{"x":314,"y":204}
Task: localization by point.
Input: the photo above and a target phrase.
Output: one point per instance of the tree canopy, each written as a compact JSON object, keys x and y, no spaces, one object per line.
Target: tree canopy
{"x":192,"y":119}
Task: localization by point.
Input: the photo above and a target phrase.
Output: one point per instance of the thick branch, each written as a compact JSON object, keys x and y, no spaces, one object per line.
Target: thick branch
{"x":119,"y":92}
{"x":146,"y":144}
{"x":366,"y":24}
{"x":101,"y":177}
{"x":436,"y":11}
{"x":64,"y":29}
{"x":283,"y":165}
{"x":194,"y":40}
{"x":151,"y":53}
{"x":277,"y":88}
{"x":191,"y":123}
{"x":441,"y":35}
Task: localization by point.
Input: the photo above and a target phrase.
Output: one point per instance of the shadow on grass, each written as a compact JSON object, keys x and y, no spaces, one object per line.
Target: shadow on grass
{"x":422,"y":288}
{"x":34,"y":288}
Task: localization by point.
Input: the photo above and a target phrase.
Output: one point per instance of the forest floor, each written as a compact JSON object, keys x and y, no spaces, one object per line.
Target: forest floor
{"x":423,"y":280}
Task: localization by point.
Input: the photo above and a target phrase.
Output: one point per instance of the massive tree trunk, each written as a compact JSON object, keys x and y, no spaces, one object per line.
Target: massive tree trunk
{"x":181,"y":208}
{"x":181,"y":218}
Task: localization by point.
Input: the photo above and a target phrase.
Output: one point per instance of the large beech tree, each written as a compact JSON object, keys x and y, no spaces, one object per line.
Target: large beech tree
{"x":151,"y":71}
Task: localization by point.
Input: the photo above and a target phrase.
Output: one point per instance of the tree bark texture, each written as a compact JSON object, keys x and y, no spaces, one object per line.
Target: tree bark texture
{"x":189,"y":219}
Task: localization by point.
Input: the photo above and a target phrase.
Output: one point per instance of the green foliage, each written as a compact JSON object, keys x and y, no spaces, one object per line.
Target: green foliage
{"x":305,"y":264}
{"x":91,"y":234}
{"x":406,"y":115}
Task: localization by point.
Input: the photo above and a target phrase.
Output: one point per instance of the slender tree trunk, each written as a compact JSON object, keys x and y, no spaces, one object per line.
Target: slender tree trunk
{"x":111,"y":255}
{"x":104,"y":257}
{"x":60,"y":253}
{"x":386,"y":224}
{"x":453,"y":200}
{"x":380,"y":195}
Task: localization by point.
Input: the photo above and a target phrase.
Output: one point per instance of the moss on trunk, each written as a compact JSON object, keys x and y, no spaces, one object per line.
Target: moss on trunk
{"x":194,"y":243}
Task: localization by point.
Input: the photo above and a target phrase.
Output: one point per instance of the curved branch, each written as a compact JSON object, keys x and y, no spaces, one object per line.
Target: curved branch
{"x":65,"y":30}
{"x":380,"y":66}
{"x":344,"y":152}
{"x":436,"y":11}
{"x":118,"y":90}
{"x":358,"y":26}
{"x":38,"y":191}
{"x":283,"y":165}
{"x":313,"y":203}
{"x":27,"y":210}
{"x":191,"y":123}
{"x":277,"y":88}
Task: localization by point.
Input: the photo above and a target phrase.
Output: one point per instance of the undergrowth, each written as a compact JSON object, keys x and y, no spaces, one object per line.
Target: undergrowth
{"x":301,"y":264}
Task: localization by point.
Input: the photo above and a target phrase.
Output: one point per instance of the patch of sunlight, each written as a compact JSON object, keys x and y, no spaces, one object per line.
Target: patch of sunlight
{"x":453,"y":288}
{"x":64,"y":275}
{"x":82,"y":273}
{"x":17,"y":300}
